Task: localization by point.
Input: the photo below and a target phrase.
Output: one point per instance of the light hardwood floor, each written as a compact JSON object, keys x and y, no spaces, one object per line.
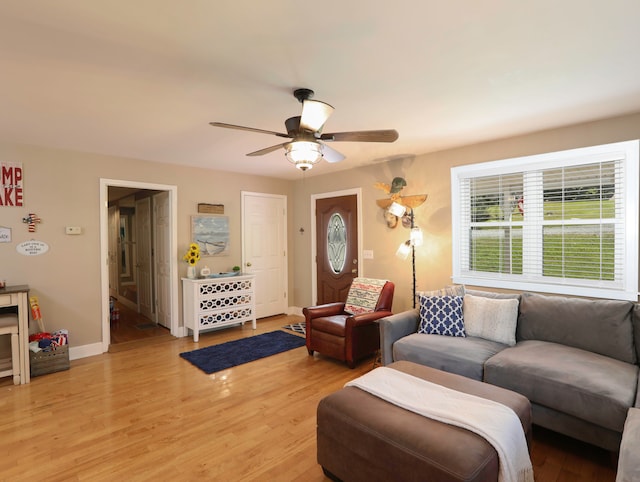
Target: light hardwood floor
{"x":128,"y":327}
{"x":146,"y":414}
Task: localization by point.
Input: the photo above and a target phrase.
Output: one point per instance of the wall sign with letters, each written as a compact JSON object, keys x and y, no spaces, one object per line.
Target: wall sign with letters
{"x":32,"y":248}
{"x":11,"y":179}
{"x":5,"y":235}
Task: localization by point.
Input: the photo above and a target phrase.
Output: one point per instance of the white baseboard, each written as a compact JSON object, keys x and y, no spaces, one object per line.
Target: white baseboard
{"x":93,"y":349}
{"x":84,"y":351}
{"x":294,"y":310}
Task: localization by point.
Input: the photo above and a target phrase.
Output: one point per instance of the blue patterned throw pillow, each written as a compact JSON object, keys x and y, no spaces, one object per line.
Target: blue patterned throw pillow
{"x":441,"y":315}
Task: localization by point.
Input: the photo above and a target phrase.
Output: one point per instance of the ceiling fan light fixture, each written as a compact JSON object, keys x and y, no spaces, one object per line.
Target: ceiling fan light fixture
{"x":306,"y":147}
{"x":303,"y":165}
{"x":303,"y":154}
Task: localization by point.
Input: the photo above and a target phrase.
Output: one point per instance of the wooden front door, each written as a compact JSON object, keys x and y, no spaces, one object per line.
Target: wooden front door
{"x":337,"y":247}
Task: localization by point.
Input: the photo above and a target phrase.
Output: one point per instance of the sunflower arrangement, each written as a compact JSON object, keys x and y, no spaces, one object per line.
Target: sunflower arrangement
{"x":192,"y":256}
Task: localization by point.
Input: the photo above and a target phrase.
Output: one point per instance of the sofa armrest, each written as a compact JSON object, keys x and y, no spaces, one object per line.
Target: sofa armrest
{"x":330,"y":309}
{"x":394,"y":327}
{"x":366,"y":318}
{"x":628,"y":461}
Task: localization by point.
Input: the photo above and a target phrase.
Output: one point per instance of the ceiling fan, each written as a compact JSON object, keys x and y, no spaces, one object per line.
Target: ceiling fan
{"x":308,"y":146}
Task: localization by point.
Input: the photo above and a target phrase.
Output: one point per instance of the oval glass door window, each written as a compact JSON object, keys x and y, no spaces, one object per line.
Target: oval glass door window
{"x":337,"y":243}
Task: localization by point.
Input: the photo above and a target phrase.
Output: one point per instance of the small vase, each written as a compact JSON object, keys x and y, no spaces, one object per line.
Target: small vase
{"x":191,"y":272}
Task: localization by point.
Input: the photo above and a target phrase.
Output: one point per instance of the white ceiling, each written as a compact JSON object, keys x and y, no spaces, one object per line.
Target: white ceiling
{"x":143,"y":79}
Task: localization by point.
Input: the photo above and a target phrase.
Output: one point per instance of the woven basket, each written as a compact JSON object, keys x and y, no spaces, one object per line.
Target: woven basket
{"x":45,"y":362}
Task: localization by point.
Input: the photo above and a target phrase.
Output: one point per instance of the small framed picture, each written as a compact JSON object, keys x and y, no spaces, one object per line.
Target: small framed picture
{"x":211,"y":233}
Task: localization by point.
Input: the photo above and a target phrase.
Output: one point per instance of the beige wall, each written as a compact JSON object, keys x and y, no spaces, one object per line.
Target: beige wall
{"x":429,"y":174}
{"x":63,"y":188}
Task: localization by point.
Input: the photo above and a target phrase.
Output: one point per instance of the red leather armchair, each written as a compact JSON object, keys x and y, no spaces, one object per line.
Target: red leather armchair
{"x":333,"y":332}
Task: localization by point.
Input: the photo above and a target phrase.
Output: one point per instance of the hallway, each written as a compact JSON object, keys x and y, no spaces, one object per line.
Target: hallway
{"x":132,"y":326}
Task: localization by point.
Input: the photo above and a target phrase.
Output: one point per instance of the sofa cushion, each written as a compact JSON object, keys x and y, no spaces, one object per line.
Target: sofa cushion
{"x":441,"y":315}
{"x":464,"y":356}
{"x":334,"y":325}
{"x":577,"y":382}
{"x":493,"y":319}
{"x":599,"y":326}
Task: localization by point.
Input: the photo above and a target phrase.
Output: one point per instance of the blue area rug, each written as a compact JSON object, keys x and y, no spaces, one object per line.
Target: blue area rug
{"x":226,"y":355}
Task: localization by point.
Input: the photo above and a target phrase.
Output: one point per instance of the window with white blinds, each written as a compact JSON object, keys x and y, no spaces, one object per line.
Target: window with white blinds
{"x":563,"y":222}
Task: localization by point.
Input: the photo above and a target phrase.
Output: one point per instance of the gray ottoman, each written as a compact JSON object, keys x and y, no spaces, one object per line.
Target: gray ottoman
{"x":364,"y":438}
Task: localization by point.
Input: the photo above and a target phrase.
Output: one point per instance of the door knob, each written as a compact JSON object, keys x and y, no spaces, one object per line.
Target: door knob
{"x":248,"y":263}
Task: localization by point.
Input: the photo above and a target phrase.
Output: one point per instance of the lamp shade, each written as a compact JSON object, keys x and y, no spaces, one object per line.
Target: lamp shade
{"x":397,"y":209}
{"x":403,"y":250}
{"x":416,"y":237}
{"x":314,"y":115}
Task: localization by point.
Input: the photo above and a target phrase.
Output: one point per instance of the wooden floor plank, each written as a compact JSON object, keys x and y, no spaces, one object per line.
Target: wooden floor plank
{"x":144,"y":413}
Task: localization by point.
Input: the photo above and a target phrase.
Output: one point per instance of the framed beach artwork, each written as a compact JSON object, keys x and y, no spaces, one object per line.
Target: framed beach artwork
{"x":211,"y":233}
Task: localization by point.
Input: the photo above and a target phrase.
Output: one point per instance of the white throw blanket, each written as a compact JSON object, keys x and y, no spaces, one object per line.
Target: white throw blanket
{"x":497,"y":423}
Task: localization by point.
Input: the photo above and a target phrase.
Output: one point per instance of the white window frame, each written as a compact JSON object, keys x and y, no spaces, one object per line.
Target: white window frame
{"x":624,"y":288}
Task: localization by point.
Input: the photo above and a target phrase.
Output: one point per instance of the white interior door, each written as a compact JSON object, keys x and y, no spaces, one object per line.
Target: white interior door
{"x":143,"y":254}
{"x":264,"y":250}
{"x":112,"y":257}
{"x":162,"y":239}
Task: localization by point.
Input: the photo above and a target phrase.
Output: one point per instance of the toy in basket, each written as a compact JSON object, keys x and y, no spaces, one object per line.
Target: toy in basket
{"x":35,"y":312}
{"x":48,"y":352}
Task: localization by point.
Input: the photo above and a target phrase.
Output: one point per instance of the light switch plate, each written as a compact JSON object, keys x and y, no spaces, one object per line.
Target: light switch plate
{"x":367,"y":254}
{"x":73,"y":230}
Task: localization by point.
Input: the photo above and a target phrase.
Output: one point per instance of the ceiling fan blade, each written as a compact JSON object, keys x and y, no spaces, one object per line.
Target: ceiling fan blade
{"x":388,"y":135}
{"x":252,"y":129}
{"x":266,"y":150}
{"x":314,"y":115}
{"x":330,"y":154}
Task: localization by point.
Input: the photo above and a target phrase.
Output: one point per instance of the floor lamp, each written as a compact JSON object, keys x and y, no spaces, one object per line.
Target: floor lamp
{"x":409,"y":246}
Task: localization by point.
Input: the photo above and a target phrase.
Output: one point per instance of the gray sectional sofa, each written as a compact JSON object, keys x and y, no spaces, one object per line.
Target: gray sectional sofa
{"x":575,"y":359}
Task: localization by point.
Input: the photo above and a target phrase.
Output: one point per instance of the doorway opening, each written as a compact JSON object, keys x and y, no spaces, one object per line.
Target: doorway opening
{"x":139,"y":278}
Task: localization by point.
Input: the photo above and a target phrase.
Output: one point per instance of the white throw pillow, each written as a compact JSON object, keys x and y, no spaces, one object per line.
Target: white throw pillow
{"x":451,"y":290}
{"x":490,"y":318}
